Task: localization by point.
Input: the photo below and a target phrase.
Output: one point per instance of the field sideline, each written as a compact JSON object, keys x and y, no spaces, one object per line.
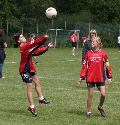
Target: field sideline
{"x":58,"y":71}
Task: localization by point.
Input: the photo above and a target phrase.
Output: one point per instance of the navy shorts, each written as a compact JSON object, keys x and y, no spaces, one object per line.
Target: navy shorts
{"x":95,"y":84}
{"x":27,"y":77}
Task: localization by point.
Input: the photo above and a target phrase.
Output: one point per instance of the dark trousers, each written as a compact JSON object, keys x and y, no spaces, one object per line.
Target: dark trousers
{"x":1,"y":65}
{"x":2,"y":58}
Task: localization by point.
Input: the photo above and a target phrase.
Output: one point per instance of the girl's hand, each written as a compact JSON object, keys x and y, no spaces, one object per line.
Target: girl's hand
{"x":80,"y":81}
{"x":50,"y":45}
{"x":46,"y":36}
{"x":109,"y":81}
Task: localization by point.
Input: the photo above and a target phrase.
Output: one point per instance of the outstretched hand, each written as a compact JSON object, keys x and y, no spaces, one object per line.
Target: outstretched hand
{"x":46,"y":36}
{"x":50,"y":45}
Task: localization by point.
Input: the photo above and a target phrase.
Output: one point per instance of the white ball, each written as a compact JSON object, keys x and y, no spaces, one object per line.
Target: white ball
{"x":51,"y":13}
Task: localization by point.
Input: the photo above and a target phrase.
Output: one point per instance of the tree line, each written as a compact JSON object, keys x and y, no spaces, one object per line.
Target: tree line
{"x":100,"y":11}
{"x":17,"y":12}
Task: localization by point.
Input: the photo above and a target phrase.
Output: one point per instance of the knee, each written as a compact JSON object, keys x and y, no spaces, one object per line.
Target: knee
{"x":103,"y":95}
{"x":37,"y":84}
{"x":91,"y":95}
{"x":29,"y":87}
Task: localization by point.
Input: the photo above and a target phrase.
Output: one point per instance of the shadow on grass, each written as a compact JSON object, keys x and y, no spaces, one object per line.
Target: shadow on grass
{"x":83,"y":113}
{"x":76,"y":112}
{"x":16,"y":112}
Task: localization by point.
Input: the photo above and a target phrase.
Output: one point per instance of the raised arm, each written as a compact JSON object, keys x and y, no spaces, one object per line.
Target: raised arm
{"x":38,"y":42}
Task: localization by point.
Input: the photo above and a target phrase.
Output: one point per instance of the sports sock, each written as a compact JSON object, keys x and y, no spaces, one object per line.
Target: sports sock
{"x":41,"y":98}
{"x":32,"y":106}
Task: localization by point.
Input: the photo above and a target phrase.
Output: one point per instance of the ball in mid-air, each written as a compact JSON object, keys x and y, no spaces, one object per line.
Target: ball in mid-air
{"x":51,"y":13}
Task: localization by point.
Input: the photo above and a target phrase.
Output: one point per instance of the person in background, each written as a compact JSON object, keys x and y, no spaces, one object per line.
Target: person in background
{"x":87,"y":43}
{"x":118,"y":43}
{"x":27,"y":70}
{"x":83,"y":38}
{"x":93,"y":72}
{"x":74,"y":39}
{"x":3,"y":44}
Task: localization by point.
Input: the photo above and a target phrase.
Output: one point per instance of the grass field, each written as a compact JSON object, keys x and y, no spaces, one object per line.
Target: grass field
{"x":58,"y":72}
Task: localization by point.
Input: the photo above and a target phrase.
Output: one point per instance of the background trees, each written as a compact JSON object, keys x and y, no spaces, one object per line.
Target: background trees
{"x":105,"y":11}
{"x":29,"y":15}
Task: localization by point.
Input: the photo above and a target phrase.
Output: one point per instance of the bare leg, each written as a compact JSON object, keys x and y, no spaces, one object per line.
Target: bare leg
{"x":89,"y":100}
{"x":38,"y":87}
{"x":102,"y":96}
{"x":29,"y":93}
{"x":73,"y":51}
{"x":102,"y":99}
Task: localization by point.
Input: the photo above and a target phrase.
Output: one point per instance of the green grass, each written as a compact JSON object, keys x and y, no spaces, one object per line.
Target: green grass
{"x":58,"y":72}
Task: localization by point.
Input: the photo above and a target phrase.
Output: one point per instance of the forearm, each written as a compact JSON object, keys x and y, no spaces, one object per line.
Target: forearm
{"x":41,"y":40}
{"x":83,"y":72}
{"x":36,"y":44}
{"x":108,"y":71}
{"x":40,"y":51}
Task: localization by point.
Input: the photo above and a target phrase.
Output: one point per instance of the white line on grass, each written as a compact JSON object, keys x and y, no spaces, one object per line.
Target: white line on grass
{"x":83,"y":90}
{"x":55,"y":78}
{"x":68,"y":88}
{"x":51,"y":78}
{"x":11,"y":62}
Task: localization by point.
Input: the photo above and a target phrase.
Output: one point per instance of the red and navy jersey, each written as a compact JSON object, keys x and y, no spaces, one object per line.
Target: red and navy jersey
{"x":93,"y":66}
{"x":31,"y":39}
{"x":73,"y":38}
{"x":25,"y":50}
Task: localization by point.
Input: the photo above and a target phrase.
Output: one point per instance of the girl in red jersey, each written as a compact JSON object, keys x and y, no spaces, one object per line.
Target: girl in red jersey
{"x":74,"y":39}
{"x":93,"y":71}
{"x":27,"y":69}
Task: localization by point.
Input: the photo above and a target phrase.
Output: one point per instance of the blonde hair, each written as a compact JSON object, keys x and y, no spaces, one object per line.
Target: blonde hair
{"x":98,"y":41}
{"x":92,"y":31}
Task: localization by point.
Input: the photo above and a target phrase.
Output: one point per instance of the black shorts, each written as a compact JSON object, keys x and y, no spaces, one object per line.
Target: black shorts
{"x":27,"y":77}
{"x":74,"y":44}
{"x":95,"y":84}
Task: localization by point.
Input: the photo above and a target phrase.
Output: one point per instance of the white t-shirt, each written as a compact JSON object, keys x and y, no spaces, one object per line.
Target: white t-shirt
{"x":119,"y":39}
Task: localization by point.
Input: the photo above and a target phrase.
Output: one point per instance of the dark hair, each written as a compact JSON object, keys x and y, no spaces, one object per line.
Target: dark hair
{"x":1,"y":32}
{"x":32,"y":35}
{"x":16,"y":38}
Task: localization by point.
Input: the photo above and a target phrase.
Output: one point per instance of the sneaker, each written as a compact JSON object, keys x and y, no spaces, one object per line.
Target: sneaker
{"x":102,"y":112}
{"x":89,"y":114}
{"x":44,"y":101}
{"x":32,"y":110}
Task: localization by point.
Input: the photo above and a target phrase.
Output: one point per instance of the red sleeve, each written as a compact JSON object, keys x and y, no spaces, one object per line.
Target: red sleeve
{"x":108,"y":72}
{"x":84,"y":68}
{"x":39,"y":41}
{"x":108,"y":68}
{"x":71,"y":38}
{"x":40,"y":51}
{"x":105,"y":57}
